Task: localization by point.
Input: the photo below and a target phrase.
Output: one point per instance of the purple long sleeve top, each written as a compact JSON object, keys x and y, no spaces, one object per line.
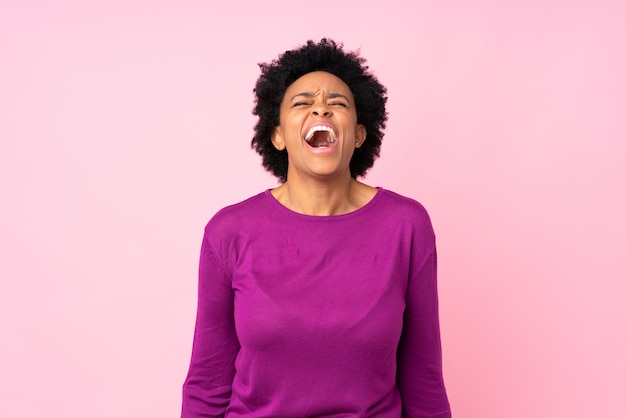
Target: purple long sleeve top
{"x":317,"y":316}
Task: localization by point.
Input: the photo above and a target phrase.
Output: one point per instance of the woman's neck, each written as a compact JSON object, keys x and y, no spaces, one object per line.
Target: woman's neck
{"x":323,"y":198}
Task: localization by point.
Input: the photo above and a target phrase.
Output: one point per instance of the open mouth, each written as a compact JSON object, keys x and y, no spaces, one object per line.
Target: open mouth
{"x":320,"y":136}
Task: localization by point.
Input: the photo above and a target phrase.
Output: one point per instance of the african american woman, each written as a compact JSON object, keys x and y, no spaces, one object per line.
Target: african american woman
{"x":318,"y":298}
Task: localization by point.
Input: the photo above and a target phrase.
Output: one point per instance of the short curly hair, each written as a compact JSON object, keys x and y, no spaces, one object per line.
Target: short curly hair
{"x":369,"y":95}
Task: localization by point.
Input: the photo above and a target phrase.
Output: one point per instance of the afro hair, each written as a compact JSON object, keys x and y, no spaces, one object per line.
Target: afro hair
{"x":370,"y":98}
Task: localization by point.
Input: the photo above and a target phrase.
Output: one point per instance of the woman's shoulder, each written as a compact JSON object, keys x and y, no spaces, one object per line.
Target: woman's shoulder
{"x":233,"y":217}
{"x":401,"y":204}
{"x":241,"y":208}
{"x":396,"y":210}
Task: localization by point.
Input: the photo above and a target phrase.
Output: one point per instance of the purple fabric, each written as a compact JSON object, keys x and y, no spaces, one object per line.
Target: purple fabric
{"x":317,"y":316}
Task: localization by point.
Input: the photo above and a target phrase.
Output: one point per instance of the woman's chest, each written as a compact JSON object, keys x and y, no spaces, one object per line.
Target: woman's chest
{"x":303,"y":290}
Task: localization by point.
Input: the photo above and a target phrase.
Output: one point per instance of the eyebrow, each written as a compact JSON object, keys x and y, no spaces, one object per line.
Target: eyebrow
{"x":330,"y":96}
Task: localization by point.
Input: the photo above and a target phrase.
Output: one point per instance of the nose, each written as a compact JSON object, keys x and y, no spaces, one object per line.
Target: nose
{"x":320,"y":108}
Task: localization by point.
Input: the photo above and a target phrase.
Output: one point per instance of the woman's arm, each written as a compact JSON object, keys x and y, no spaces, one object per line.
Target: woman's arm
{"x":420,"y":377}
{"x":207,"y":389}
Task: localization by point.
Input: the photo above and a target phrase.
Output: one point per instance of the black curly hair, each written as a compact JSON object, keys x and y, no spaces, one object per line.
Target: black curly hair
{"x":369,"y":95}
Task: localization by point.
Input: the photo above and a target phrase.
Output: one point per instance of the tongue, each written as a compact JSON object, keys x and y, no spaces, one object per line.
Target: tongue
{"x":320,"y":139}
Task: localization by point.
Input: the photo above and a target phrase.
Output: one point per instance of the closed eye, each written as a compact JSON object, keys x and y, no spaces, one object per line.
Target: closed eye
{"x":339,"y":104}
{"x":301,"y":104}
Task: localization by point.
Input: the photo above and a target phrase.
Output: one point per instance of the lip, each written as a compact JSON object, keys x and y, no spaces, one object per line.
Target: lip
{"x":324,"y":150}
{"x":314,"y":124}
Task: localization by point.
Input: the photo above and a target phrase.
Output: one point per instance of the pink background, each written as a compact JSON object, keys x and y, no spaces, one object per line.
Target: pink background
{"x":125,"y":125}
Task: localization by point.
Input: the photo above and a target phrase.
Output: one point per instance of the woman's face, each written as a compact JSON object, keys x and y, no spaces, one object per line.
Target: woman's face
{"x":318,"y":127}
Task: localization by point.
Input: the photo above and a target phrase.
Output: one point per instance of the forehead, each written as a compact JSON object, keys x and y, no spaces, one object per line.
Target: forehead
{"x":318,"y":81}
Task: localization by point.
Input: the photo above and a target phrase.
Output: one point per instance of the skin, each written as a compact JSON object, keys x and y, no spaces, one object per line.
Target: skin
{"x":318,"y":179}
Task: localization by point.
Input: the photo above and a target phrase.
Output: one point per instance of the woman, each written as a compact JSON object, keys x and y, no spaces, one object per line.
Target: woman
{"x":318,"y":298}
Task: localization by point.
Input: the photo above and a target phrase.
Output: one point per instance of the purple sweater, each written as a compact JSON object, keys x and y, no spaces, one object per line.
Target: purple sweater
{"x":317,"y":316}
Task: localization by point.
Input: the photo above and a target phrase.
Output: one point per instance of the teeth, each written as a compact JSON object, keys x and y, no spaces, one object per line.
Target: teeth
{"x":318,"y":128}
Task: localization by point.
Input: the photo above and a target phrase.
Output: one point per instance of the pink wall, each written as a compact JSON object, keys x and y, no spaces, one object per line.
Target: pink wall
{"x":125,"y":125}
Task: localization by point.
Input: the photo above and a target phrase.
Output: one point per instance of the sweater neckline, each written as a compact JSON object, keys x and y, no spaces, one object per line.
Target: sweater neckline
{"x":379,"y":192}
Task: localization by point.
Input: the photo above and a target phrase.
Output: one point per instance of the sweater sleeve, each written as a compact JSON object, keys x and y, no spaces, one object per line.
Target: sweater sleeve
{"x":419,"y":377}
{"x":207,"y":388}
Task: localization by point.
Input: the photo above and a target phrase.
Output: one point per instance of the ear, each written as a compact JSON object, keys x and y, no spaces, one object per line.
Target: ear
{"x":361,"y":133}
{"x":277,"y":139}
